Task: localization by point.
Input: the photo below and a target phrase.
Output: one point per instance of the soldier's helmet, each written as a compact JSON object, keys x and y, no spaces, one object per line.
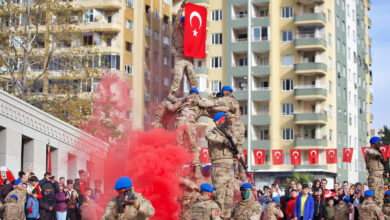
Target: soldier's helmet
{"x":123,"y":182}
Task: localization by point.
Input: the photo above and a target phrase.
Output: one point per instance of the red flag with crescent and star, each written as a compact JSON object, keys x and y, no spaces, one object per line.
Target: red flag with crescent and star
{"x":313,"y":156}
{"x":259,"y":157}
{"x":277,"y":157}
{"x":195,"y":23}
{"x":347,"y":155}
{"x":384,"y":149}
{"x":295,"y":157}
{"x":204,"y":155}
{"x":245,"y":154}
{"x":331,"y":156}
{"x":364,"y":151}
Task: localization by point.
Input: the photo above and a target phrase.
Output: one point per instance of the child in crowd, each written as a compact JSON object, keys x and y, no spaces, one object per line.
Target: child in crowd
{"x":329,"y":209}
{"x":32,"y":206}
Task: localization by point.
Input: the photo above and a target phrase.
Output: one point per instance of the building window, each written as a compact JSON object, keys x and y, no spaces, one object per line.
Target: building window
{"x":216,"y":86}
{"x":92,"y":15}
{"x":216,"y":15}
{"x":260,"y":34}
{"x":243,"y":61}
{"x":216,"y":62}
{"x":156,"y":35}
{"x":287,"y":134}
{"x":330,"y":111}
{"x":128,"y":46}
{"x":330,"y":40}
{"x":166,"y":81}
{"x":216,"y":39}
{"x":262,"y":134}
{"x":329,"y":16}
{"x":156,"y":14}
{"x":130,"y":3}
{"x":128,"y":69}
{"x":147,"y":31}
{"x":202,"y":83}
{"x":287,"y":12}
{"x":287,"y":109}
{"x":330,"y":66}
{"x":166,"y":41}
{"x":330,"y":87}
{"x":287,"y":36}
{"x":287,"y":60}
{"x":129,"y":24}
{"x":337,"y":21}
{"x":287,"y":85}
{"x":165,"y":60}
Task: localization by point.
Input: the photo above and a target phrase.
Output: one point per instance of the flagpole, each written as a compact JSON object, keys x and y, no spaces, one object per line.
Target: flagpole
{"x":249,"y":81}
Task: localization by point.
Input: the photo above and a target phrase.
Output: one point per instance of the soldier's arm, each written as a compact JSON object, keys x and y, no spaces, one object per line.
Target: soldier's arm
{"x":173,"y":107}
{"x":215,"y":212}
{"x":188,"y":183}
{"x":256,"y":212}
{"x":145,"y":207}
{"x":179,"y":14}
{"x":279,"y":213}
{"x":215,"y":138}
{"x":109,"y":213}
{"x":378,"y":212}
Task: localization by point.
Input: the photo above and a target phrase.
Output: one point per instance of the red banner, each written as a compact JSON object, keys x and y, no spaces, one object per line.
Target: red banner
{"x":384,"y":149}
{"x":195,"y":23}
{"x":364,"y":151}
{"x":259,"y":157}
{"x":331,"y":156}
{"x":277,"y":157}
{"x":204,"y":155}
{"x":313,"y":156}
{"x":347,"y":155}
{"x":295,"y":157}
{"x":245,"y":155}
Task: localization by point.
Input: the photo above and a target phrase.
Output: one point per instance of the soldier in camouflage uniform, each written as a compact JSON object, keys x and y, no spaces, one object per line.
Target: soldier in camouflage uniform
{"x":204,"y":207}
{"x":247,"y":208}
{"x":221,"y":159}
{"x":343,"y":209}
{"x":127,"y":205}
{"x":376,"y":171}
{"x":163,"y":113}
{"x":21,"y":197}
{"x":386,"y":206}
{"x":183,"y":64}
{"x":368,"y":209}
{"x":272,"y":211}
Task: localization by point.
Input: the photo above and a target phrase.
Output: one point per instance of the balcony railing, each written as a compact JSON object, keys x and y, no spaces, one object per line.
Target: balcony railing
{"x":236,"y":17}
{"x":309,"y":87}
{"x":237,"y":40}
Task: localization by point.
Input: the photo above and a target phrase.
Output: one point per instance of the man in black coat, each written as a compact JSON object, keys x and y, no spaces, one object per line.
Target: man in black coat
{"x":47,"y":204}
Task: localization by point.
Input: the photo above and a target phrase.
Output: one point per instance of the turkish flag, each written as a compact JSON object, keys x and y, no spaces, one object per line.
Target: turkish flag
{"x":195,"y":23}
{"x":259,"y":157}
{"x":204,"y":155}
{"x":384,"y":149}
{"x":313,"y":156}
{"x":245,"y":154}
{"x":347,"y":155}
{"x":49,"y":159}
{"x":364,"y":151}
{"x":331,"y":156}
{"x":277,"y":157}
{"x":328,"y":194}
{"x":295,"y":157}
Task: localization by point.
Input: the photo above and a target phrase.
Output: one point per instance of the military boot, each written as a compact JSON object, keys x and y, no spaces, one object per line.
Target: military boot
{"x":198,"y":172}
{"x":171,"y":96}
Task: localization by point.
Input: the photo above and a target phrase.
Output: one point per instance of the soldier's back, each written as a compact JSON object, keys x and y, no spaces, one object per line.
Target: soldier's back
{"x":341,"y":211}
{"x":245,"y":210}
{"x":369,"y":210}
{"x":272,"y":212}
{"x":203,"y":209}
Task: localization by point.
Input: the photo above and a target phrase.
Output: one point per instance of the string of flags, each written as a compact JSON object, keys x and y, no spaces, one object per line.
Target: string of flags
{"x":295,"y":155}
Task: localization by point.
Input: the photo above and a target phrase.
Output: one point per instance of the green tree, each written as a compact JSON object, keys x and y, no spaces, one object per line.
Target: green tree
{"x":386,"y":136}
{"x":303,"y":178}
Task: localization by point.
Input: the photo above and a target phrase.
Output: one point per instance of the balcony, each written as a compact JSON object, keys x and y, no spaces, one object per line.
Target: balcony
{"x":239,"y":20}
{"x":308,"y":42}
{"x":101,"y":26}
{"x":310,"y":118}
{"x":310,"y":20}
{"x":310,"y":142}
{"x":261,"y":1}
{"x":371,"y":118}
{"x":264,"y":144}
{"x":310,"y":93}
{"x":98,"y":4}
{"x":239,"y":44}
{"x":261,"y":21}
{"x":257,"y":95}
{"x":259,"y":120}
{"x":200,"y":1}
{"x":261,"y":71}
{"x":371,"y":98}
{"x":260,"y":46}
{"x":239,"y":71}
{"x":310,"y":69}
{"x":369,"y":22}
{"x":311,"y":167}
{"x":309,"y":2}
{"x":201,"y":70}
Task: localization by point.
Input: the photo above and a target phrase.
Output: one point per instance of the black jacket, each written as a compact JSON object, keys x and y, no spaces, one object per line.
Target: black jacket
{"x":45,"y":203}
{"x":319,"y":208}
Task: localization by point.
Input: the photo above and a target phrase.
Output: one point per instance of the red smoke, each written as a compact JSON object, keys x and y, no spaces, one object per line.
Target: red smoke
{"x":151,"y":159}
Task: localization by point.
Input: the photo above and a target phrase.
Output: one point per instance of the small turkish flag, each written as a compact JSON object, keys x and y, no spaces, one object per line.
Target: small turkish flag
{"x":195,"y":23}
{"x":328,"y":194}
{"x":204,"y":155}
{"x":364,"y":151}
{"x":245,"y":154}
{"x":313,"y":156}
{"x":384,"y":151}
{"x":331,"y":156}
{"x":347,"y":155}
{"x":277,"y":157}
{"x":259,"y":157}
{"x":295,"y":157}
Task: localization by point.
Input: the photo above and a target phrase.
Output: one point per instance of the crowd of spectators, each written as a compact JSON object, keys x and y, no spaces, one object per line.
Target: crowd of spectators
{"x":27,"y":197}
{"x":319,"y":201}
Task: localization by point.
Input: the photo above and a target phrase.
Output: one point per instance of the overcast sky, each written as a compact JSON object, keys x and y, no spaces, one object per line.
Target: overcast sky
{"x":380,"y":34}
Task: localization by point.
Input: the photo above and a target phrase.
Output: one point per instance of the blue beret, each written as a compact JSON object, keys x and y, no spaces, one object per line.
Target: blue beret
{"x":369,"y":193}
{"x":387,"y":193}
{"x":205,"y":187}
{"x":246,"y":185}
{"x":182,"y":19}
{"x":347,"y":199}
{"x":275,"y":199}
{"x":17,"y":181}
{"x":123,"y":182}
{"x":15,"y":196}
{"x":218,"y":116}
{"x":227,"y":88}
{"x":219,"y":93}
{"x":374,"y":139}
{"x":194,"y":90}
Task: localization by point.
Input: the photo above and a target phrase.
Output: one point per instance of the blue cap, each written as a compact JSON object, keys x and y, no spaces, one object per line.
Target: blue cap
{"x":387,"y":193}
{"x":17,"y":181}
{"x":246,"y":185}
{"x":218,"y":116}
{"x":219,"y":93}
{"x":182,"y":19}
{"x":347,"y":199}
{"x":194,"y":90}
{"x":15,"y":196}
{"x":374,"y":139}
{"x":123,"y":182}
{"x":369,"y":193}
{"x":227,"y":88}
{"x":205,"y":187}
{"x":275,"y":199}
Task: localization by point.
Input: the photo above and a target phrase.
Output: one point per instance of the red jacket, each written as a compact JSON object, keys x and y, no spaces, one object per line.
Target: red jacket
{"x":291,"y":207}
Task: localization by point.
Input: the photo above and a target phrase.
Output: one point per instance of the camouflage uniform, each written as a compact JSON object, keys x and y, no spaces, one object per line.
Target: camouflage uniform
{"x":341,"y":211}
{"x":272,"y":212}
{"x":375,"y":175}
{"x":182,"y":63}
{"x":162,"y":113}
{"x":386,"y":211}
{"x":22,"y":198}
{"x":13,"y":211}
{"x":145,"y":210}
{"x":248,"y":209}
{"x":189,"y":195}
{"x":222,"y":174}
{"x":205,"y":209}
{"x":369,"y":210}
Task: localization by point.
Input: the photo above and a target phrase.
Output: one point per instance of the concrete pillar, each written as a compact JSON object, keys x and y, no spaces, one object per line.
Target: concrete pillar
{"x":11,"y":150}
{"x":75,"y":163}
{"x":34,"y":154}
{"x":59,"y":163}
